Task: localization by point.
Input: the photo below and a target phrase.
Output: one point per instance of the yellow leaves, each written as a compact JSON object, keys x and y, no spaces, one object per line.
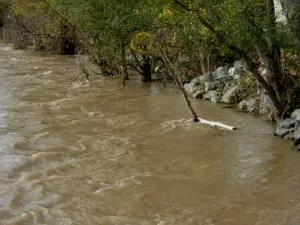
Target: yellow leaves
{"x":141,"y":40}
{"x":203,"y":31}
{"x":166,"y":12}
{"x":28,"y":7}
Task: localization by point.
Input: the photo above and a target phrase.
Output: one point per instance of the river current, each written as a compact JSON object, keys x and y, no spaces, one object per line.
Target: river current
{"x":98,"y":153}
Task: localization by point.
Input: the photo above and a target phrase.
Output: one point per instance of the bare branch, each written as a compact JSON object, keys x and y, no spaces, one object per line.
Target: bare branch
{"x":135,"y":57}
{"x":135,"y":68}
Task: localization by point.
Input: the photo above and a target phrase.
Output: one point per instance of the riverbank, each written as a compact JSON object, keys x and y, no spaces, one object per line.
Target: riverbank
{"x":235,"y":87}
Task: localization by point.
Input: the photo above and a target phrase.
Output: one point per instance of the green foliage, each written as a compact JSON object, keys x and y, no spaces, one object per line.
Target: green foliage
{"x":108,"y":26}
{"x":248,"y":86}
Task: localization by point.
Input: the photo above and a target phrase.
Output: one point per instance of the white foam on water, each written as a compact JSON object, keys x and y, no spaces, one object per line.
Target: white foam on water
{"x":14,"y":59}
{"x":6,"y":48}
{"x":119,"y":185}
{"x":80,"y":84}
{"x":47,"y":72}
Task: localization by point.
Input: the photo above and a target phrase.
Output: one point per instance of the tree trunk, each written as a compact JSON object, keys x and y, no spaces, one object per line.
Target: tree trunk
{"x":274,"y":73}
{"x":172,"y":69}
{"x":124,"y":64}
{"x":174,"y":73}
{"x":185,"y":96}
{"x":270,"y":91}
{"x":270,"y":56}
{"x":146,"y":69}
{"x":67,"y":39}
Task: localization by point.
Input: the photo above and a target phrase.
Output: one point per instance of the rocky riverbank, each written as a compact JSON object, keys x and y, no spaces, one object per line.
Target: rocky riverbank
{"x":289,"y":129}
{"x":233,"y":86}
{"x":236,"y":87}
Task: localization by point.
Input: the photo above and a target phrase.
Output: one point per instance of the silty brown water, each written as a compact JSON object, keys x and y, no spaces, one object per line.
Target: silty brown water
{"x":72,"y":153}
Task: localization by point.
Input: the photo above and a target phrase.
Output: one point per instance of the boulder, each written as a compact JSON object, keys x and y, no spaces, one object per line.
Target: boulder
{"x":266,"y":106}
{"x":236,"y":77}
{"x":231,"y":71}
{"x":296,"y":114}
{"x":195,"y":86}
{"x":211,"y":96}
{"x":249,"y":105}
{"x":287,"y":123}
{"x":297,"y":124}
{"x":230,"y":96}
{"x":284,"y":132}
{"x":241,"y":68}
{"x":242,"y":105}
{"x":230,"y":83}
{"x":204,"y":78}
{"x":296,"y":136}
{"x":210,"y":85}
{"x":285,"y":128}
{"x":198,"y":94}
{"x":220,"y":73}
{"x":289,"y":136}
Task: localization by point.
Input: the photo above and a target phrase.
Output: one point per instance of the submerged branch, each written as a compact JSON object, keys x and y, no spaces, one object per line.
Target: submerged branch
{"x":214,"y":124}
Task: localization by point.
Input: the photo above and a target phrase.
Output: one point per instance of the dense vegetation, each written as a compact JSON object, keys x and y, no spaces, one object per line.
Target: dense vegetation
{"x":186,"y":37}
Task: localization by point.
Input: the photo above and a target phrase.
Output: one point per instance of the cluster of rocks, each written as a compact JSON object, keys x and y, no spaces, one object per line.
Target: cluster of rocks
{"x":232,"y":86}
{"x":289,"y":128}
{"x":235,"y":86}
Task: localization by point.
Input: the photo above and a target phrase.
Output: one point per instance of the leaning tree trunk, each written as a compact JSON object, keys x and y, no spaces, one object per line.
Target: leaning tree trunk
{"x":270,"y":92}
{"x":173,"y":71}
{"x":185,"y":96}
{"x":172,"y":68}
{"x":270,"y":56}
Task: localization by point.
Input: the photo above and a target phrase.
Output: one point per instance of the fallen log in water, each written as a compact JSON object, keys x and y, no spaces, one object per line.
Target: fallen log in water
{"x":213,"y":124}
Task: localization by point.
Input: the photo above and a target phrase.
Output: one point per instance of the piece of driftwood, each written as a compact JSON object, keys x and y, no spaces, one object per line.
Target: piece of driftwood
{"x":213,"y":124}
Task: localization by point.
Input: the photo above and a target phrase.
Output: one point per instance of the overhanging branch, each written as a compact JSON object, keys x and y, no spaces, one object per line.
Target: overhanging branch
{"x":204,"y":22}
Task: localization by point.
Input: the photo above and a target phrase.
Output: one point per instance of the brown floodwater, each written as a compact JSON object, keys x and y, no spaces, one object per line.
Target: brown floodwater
{"x":73,"y":153}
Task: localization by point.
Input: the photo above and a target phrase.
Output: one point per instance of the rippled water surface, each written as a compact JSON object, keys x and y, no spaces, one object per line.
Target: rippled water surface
{"x":73,"y":153}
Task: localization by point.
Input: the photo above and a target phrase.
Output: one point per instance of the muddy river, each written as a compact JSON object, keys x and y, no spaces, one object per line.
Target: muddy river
{"x":98,"y":153}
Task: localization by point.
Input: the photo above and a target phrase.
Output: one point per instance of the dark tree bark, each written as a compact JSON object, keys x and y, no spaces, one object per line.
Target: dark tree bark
{"x":67,"y":39}
{"x":146,"y":69}
{"x":144,"y":66}
{"x":124,"y":63}
{"x":270,"y":54}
